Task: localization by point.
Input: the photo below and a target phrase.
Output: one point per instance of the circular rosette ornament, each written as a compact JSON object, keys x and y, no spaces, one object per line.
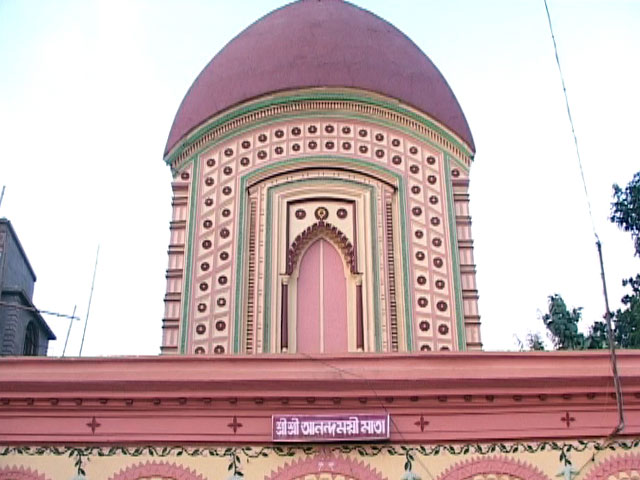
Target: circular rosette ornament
{"x":321,"y":213}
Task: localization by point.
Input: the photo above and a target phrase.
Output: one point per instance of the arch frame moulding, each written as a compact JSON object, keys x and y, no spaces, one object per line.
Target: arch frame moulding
{"x":360,"y":183}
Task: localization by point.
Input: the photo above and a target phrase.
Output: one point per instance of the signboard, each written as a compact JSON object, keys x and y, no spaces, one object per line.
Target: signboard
{"x":329,"y":428}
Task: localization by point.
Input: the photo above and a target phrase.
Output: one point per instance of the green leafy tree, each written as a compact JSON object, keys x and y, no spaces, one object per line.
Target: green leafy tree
{"x":562,"y":325}
{"x":625,"y":212}
{"x":598,"y":337}
{"x":625,"y":209}
{"x":627,"y":321}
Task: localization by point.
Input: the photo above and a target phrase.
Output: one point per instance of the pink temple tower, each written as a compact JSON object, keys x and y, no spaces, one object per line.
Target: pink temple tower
{"x":321,"y":171}
{"x":320,"y":256}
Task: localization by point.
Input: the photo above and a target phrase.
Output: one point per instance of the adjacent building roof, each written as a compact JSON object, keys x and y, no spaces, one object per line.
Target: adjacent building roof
{"x":319,"y":43}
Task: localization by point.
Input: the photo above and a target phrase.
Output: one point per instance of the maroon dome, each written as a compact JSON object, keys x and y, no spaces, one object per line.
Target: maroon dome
{"x":319,"y":43}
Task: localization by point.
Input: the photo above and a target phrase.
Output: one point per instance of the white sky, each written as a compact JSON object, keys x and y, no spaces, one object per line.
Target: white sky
{"x":89,"y":89}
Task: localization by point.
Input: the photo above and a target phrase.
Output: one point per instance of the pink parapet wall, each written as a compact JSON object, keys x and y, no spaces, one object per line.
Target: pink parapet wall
{"x":444,"y":397}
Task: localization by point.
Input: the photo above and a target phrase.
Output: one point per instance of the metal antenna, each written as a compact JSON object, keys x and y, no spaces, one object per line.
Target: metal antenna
{"x":86,"y":320}
{"x":66,"y":340}
{"x":2,"y":194}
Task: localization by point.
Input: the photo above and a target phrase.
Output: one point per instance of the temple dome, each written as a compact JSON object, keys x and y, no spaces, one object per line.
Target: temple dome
{"x":319,"y":43}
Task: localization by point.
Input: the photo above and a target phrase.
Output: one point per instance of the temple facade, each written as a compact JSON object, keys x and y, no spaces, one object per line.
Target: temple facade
{"x":325,"y":209}
{"x":321,"y":317}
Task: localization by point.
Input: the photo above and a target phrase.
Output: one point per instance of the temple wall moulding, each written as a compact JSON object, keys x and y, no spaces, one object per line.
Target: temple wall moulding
{"x":559,"y":395}
{"x":297,"y":103}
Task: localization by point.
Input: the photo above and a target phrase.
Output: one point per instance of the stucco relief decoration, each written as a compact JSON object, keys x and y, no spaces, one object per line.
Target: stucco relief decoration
{"x":321,"y":213}
{"x":313,"y":232}
{"x":20,"y":473}
{"x":156,"y":471}
{"x":620,"y":467}
{"x":487,"y":468}
{"x":333,"y":465}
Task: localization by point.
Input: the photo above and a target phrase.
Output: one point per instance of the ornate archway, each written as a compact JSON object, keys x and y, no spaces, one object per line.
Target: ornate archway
{"x":311,"y":233}
{"x":490,"y":466}
{"x":332,"y":465}
{"x":20,"y":473}
{"x":314,"y":262}
{"x":620,"y":467}
{"x":157,"y":470}
{"x":321,"y":301}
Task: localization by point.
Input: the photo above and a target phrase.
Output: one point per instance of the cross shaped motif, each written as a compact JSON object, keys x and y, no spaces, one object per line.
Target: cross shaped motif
{"x":421,"y":423}
{"x":93,"y":424}
{"x":567,"y":419}
{"x":235,"y":425}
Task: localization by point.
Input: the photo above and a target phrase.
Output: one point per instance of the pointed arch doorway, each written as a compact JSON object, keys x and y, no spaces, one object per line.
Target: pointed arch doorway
{"x":321,"y":303}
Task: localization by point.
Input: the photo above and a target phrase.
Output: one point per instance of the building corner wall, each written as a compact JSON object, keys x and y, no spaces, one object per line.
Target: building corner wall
{"x":460,"y":185}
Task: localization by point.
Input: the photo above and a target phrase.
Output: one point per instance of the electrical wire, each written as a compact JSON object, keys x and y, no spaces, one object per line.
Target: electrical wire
{"x":573,"y":130}
{"x":608,"y":315}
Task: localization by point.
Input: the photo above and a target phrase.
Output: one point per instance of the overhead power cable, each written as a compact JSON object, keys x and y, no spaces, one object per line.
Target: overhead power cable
{"x":608,"y":315}
{"x":573,"y":130}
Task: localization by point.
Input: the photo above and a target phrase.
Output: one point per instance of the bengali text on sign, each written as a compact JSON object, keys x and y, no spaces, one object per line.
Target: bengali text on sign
{"x":329,"y":428}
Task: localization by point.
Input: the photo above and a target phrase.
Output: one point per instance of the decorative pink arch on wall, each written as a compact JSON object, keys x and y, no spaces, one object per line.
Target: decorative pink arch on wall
{"x":161,"y":469}
{"x":344,"y":245}
{"x":20,"y":473}
{"x":312,"y":232}
{"x":613,"y":465}
{"x":337,"y":465}
{"x":497,"y":464}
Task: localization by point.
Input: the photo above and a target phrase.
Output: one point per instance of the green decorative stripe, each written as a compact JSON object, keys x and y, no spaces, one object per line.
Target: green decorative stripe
{"x":408,"y":305}
{"x":377,"y":322}
{"x":186,"y":299}
{"x":316,"y":96}
{"x":455,"y":256}
{"x":266,"y":314}
{"x":240,"y":226}
{"x":364,"y":450}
